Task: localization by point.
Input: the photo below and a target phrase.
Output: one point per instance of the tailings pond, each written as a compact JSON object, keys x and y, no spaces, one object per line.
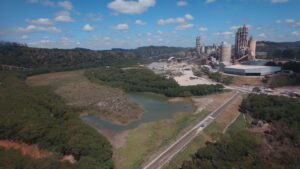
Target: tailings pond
{"x":156,"y":107}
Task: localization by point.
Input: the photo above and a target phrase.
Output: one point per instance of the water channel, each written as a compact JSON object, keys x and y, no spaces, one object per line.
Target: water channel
{"x":156,"y":107}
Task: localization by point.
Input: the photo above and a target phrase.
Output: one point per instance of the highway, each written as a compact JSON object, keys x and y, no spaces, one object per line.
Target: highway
{"x":178,"y":145}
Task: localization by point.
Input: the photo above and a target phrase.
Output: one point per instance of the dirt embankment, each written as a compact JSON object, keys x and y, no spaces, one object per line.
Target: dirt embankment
{"x":246,"y":80}
{"x":31,"y":150}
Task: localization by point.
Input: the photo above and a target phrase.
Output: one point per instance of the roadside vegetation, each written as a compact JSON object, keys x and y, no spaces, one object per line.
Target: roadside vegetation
{"x":218,"y":77}
{"x":144,"y":80}
{"x":270,"y":140}
{"x":35,"y":115}
{"x":282,"y":80}
{"x":212,"y":133}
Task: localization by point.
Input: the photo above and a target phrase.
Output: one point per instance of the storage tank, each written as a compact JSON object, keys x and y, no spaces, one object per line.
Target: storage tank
{"x":252,"y":49}
{"x":225,"y":52}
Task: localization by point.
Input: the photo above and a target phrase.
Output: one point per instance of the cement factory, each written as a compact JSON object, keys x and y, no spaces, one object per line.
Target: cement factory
{"x":239,"y":59}
{"x":233,"y":60}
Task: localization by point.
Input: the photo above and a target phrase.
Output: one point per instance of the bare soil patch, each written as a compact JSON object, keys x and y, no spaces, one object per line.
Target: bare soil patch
{"x":210,"y":102}
{"x":31,"y":150}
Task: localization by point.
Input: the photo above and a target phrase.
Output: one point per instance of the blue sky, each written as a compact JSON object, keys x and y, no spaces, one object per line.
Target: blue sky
{"x":105,"y":24}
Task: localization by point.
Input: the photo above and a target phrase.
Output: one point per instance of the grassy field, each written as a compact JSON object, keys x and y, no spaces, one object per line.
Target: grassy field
{"x":106,"y":102}
{"x":211,"y":133}
{"x":144,"y":142}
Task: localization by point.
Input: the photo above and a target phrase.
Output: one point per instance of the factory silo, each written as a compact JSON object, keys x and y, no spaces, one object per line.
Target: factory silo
{"x":225,"y":52}
{"x":252,"y":49}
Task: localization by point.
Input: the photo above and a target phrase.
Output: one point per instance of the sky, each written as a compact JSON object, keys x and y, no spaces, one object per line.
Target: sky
{"x":106,"y":24}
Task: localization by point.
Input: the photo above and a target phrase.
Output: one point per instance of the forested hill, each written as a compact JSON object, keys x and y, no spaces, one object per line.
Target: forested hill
{"x":22,"y":55}
{"x":282,"y":50}
{"x":267,"y":45}
{"x":159,"y":51}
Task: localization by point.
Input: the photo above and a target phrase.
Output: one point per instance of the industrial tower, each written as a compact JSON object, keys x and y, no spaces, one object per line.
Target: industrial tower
{"x":200,"y":49}
{"x":241,"y":42}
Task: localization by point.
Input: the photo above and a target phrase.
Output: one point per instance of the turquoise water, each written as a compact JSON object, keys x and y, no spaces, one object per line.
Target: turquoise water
{"x":156,"y":107}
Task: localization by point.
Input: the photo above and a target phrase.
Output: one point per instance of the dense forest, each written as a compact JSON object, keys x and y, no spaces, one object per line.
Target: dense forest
{"x":35,"y":115}
{"x":294,"y":66}
{"x":52,"y":60}
{"x":145,"y":80}
{"x":276,"y":147}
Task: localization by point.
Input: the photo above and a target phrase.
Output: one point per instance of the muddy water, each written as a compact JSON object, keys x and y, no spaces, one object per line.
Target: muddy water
{"x":156,"y":107}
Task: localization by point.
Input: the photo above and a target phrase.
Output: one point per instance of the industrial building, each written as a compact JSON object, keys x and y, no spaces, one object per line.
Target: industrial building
{"x":245,"y":48}
{"x":239,"y":59}
{"x":251,"y":70}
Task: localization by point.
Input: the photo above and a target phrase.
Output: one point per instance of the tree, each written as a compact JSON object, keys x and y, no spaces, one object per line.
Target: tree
{"x":256,"y":90}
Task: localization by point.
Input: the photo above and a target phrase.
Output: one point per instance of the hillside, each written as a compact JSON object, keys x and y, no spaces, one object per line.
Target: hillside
{"x":267,"y":45}
{"x":282,"y":50}
{"x":29,"y":57}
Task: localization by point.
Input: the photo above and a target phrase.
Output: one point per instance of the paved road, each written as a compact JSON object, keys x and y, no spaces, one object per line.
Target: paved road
{"x":172,"y":150}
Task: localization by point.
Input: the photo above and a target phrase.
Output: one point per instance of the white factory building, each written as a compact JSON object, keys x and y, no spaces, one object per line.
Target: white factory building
{"x":251,"y":70}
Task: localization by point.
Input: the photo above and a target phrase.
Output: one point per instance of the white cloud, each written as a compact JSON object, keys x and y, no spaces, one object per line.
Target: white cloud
{"x":44,"y":2}
{"x":289,"y":21}
{"x":45,"y":41}
{"x":234,"y":27}
{"x":131,"y":7}
{"x":24,"y":37}
{"x":121,"y":26}
{"x":184,"y":26}
{"x":262,"y":35}
{"x":188,"y":16}
{"x":182,"y":3}
{"x":65,"y":41}
{"x":296,"y":33}
{"x":209,"y":1}
{"x":107,"y":38}
{"x":279,"y":1}
{"x":227,"y":33}
{"x":63,"y":16}
{"x":40,"y":21}
{"x":94,"y":16}
{"x":171,"y":21}
{"x":88,"y":27}
{"x":32,"y":1}
{"x":216,"y":33}
{"x":203,"y":29}
{"x":66,"y":5}
{"x":33,"y":28}
{"x":140,"y":22}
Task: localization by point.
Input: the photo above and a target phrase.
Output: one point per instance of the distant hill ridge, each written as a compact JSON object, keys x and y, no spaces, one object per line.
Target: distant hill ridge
{"x":31,"y":57}
{"x":270,"y":46}
{"x":21,"y":55}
